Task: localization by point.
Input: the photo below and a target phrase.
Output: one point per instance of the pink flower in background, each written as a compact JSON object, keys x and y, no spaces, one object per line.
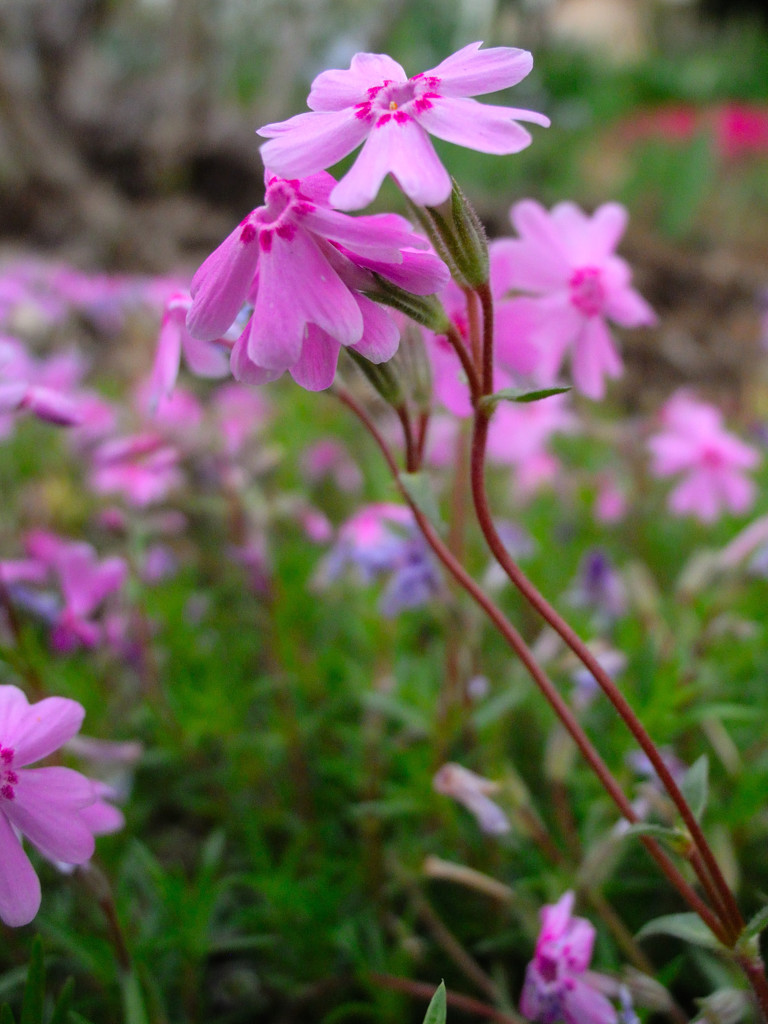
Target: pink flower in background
{"x":473,"y":792}
{"x":557,"y":987}
{"x":520,"y":435}
{"x":516,"y":356}
{"x":39,"y":387}
{"x":713,"y":462}
{"x":50,"y":806}
{"x":144,"y":468}
{"x":375,"y":103}
{"x":85,"y":583}
{"x":566,"y":261}
{"x":204,"y":358}
{"x":304,"y":267}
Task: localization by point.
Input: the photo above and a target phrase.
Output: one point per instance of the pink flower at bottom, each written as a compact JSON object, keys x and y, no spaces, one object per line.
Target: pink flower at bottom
{"x":694,"y":442}
{"x":49,"y":806}
{"x":557,"y":987}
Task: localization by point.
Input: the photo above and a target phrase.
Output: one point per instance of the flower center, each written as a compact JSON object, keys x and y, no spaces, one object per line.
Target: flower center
{"x":8,"y":777}
{"x":712,"y":458}
{"x":283,"y":206}
{"x":587,"y":292}
{"x":398,"y":101}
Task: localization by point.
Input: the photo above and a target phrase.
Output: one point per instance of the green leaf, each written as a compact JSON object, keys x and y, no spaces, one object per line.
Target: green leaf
{"x":688,"y":927}
{"x":756,"y":924}
{"x":695,"y":786}
{"x":437,"y":1008}
{"x":520,"y":395}
{"x":418,"y":487}
{"x":6,"y":1015}
{"x":673,"y":836}
{"x":34,"y":990}
{"x":61,"y":1009}
{"x":133,"y":1000}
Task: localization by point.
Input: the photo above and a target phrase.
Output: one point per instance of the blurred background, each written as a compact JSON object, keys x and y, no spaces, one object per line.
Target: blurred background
{"x":127,"y":132}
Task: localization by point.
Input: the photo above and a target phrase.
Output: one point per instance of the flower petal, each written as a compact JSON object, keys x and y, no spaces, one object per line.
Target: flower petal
{"x":316,"y":367}
{"x":480,"y":126}
{"x":221,"y":284}
{"x":469,"y":72}
{"x":404,"y":150}
{"x":40,"y":728}
{"x":381,"y":336}
{"x":45,"y":809}
{"x":243,"y":367}
{"x":19,"y":885}
{"x":308,"y":143}
{"x":336,"y":89}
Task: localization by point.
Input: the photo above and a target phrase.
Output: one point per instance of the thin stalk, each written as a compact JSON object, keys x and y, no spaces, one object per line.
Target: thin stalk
{"x":545,"y":685}
{"x":467,"y":365}
{"x":708,"y":865}
{"x":411,"y":449}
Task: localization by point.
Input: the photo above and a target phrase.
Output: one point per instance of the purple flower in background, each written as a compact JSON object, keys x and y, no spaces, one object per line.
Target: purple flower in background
{"x":50,"y":806}
{"x":557,"y":987}
{"x":304,"y":268}
{"x":375,"y":103}
{"x":713,"y":462}
{"x":473,"y":792}
{"x":599,"y":587}
{"x":382,"y":539}
{"x":566,"y":261}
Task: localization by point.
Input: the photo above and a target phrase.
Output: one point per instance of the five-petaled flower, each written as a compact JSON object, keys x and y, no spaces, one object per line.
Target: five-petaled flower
{"x":373,"y":101}
{"x":565,"y":260}
{"x":694,"y":442}
{"x":557,"y":987}
{"x":50,"y":806}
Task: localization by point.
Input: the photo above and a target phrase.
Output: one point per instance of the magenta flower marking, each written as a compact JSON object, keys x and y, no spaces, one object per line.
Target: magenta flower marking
{"x":373,"y":102}
{"x":50,"y":806}
{"x":304,"y":267}
{"x":557,"y":987}
{"x":693,"y":442}
{"x":566,"y":263}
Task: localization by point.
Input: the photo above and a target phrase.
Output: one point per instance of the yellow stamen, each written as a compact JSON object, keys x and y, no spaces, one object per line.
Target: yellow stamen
{"x":392,"y":105}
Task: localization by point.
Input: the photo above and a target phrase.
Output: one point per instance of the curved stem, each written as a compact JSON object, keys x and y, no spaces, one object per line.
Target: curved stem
{"x":556,"y":702}
{"x":733,"y":920}
{"x":467,"y":365}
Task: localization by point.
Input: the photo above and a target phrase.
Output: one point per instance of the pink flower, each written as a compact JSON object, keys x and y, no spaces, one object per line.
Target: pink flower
{"x":694,"y":442}
{"x":557,"y":987}
{"x":566,"y":260}
{"x":472,"y":791}
{"x":85,"y":583}
{"x":375,"y":103}
{"x":205,"y":358}
{"x":50,"y":806}
{"x":142,"y":467}
{"x":304,"y":267}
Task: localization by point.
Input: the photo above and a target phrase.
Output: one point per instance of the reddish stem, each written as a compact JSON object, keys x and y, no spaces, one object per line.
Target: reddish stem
{"x":556,"y":702}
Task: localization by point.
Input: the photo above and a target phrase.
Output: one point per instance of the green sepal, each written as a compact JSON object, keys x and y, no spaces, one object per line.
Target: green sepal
{"x":426,"y":310}
{"x":473,"y":259}
{"x":380,"y":376}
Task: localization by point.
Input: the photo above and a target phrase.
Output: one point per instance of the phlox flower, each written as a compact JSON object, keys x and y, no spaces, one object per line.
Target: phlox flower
{"x":85,"y":583}
{"x":52,"y":807}
{"x":520,"y":435}
{"x":144,"y":468}
{"x":557,"y":987}
{"x":374,"y":102}
{"x":204,"y":358}
{"x":382,"y":539}
{"x":473,"y":792}
{"x":304,"y":268}
{"x":39,"y":387}
{"x":713,"y":462}
{"x":566,"y":263}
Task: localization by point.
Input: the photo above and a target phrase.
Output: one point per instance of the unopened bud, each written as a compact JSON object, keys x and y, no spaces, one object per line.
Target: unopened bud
{"x":426,"y":310}
{"x":381,"y":377}
{"x":458,"y":237}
